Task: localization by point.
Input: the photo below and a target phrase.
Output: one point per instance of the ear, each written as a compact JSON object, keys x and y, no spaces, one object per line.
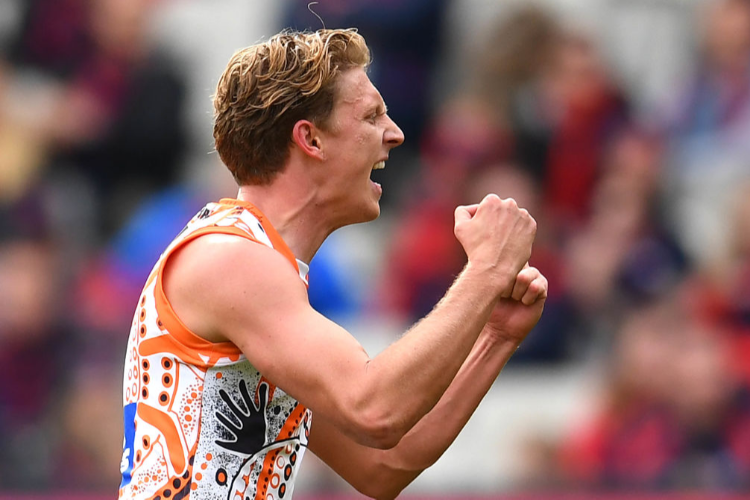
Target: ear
{"x":308,"y":138}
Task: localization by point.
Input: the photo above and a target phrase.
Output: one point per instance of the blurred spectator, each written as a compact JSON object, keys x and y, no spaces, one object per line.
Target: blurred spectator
{"x":650,"y":436}
{"x":587,"y":110}
{"x":553,"y":91}
{"x":737,"y":281}
{"x":632,"y":424}
{"x":721,"y":293}
{"x":90,"y":442}
{"x":35,"y":353}
{"x":508,"y":74}
{"x":625,"y":256}
{"x":707,"y":125}
{"x":104,"y":103}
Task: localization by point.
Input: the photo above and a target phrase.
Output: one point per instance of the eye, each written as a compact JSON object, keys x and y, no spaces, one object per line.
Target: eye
{"x":375,"y":113}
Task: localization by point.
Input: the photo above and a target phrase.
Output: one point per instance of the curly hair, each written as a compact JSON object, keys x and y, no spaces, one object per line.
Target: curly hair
{"x":268,"y":87}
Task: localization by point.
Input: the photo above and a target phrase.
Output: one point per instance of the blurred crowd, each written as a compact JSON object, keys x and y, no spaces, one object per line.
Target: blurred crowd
{"x":643,"y":216}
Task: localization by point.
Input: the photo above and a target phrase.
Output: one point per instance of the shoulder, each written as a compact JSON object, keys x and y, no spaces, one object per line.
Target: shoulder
{"x":227,"y":257}
{"x":219,"y":280}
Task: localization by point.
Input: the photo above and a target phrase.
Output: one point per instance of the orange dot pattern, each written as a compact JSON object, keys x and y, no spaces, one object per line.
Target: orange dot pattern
{"x":173,"y":378}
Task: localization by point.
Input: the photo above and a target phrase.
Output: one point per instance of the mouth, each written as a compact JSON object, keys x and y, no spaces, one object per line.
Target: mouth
{"x":377,"y":166}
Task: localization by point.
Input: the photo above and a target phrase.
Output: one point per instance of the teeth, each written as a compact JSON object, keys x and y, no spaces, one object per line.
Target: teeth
{"x":379,"y":165}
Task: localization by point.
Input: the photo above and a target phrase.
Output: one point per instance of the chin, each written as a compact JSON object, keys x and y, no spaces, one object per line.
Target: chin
{"x":373,"y":210}
{"x":374,"y":214}
{"x":366,"y":213}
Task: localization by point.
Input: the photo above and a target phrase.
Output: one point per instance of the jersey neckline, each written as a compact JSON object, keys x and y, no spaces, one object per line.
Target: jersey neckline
{"x":276,"y":239}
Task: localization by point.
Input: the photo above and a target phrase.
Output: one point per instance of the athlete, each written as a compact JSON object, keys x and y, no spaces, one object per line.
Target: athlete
{"x":230,"y":374}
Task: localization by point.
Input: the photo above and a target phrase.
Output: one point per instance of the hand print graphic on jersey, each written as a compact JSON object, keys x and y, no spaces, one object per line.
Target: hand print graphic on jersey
{"x":256,"y":438}
{"x":249,"y":435}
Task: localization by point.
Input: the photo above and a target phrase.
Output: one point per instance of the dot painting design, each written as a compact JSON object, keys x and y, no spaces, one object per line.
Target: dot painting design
{"x":188,"y":404}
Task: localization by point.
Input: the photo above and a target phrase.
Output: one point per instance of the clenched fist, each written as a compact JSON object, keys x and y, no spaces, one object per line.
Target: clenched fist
{"x":497,"y":237}
{"x":515,"y":315}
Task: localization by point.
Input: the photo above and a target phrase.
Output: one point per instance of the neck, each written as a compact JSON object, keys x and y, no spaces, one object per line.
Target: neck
{"x":294,"y":212}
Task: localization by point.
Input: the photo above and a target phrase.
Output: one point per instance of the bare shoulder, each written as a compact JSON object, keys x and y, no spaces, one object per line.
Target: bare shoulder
{"x":219,"y":280}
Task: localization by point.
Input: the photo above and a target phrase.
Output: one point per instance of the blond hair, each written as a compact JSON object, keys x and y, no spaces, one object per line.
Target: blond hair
{"x":267,"y":88}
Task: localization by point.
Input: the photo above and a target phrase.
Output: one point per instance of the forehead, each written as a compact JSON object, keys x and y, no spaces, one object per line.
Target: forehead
{"x":355,"y":89}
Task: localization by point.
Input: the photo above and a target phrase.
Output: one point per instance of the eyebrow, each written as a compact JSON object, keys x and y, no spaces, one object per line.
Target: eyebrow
{"x":378,"y":106}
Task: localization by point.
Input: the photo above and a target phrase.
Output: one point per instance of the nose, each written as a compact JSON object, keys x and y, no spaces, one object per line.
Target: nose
{"x":393,"y":135}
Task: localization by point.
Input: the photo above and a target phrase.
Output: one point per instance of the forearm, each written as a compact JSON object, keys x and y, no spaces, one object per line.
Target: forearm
{"x":414,"y":372}
{"x":383,"y":474}
{"x":431,"y":436}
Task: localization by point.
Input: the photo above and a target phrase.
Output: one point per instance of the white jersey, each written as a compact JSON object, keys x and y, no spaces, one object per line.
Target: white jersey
{"x":200,"y":421}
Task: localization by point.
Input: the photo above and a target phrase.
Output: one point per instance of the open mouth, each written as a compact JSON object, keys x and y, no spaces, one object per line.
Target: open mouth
{"x":374,"y":177}
{"x":378,"y":166}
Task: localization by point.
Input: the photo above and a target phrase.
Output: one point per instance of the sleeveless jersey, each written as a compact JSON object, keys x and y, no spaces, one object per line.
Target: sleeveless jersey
{"x":200,"y":421}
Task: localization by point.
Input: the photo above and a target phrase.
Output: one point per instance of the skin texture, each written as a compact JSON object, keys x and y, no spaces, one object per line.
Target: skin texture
{"x":378,"y":421}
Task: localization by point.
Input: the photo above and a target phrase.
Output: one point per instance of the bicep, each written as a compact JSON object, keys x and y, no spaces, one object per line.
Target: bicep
{"x":250,"y":294}
{"x":308,"y":356}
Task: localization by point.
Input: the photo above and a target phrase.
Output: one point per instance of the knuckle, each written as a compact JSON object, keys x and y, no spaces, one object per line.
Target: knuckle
{"x":539,"y":285}
{"x":526,"y":276}
{"x":491,"y":200}
{"x":531,"y":293}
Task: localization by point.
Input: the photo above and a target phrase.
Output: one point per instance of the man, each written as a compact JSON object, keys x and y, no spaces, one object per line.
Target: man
{"x":227,"y":362}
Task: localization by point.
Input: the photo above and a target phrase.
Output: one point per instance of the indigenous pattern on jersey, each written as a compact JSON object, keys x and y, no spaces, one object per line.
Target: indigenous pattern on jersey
{"x":200,"y":421}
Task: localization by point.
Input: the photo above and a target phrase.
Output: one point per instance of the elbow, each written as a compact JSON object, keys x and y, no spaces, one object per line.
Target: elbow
{"x":384,"y":483}
{"x":380,"y":493}
{"x":374,"y":424}
{"x":380,"y":430}
{"x":375,"y":416}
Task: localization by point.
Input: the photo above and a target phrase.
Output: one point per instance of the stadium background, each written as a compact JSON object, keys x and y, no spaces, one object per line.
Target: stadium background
{"x":623,"y":125}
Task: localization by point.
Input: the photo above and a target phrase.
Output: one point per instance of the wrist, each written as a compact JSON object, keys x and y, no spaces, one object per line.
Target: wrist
{"x":501,"y":337}
{"x":495,"y":346}
{"x":493,"y":277}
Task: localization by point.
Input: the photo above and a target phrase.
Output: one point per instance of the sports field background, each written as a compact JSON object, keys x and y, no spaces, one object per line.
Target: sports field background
{"x":622,"y":125}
